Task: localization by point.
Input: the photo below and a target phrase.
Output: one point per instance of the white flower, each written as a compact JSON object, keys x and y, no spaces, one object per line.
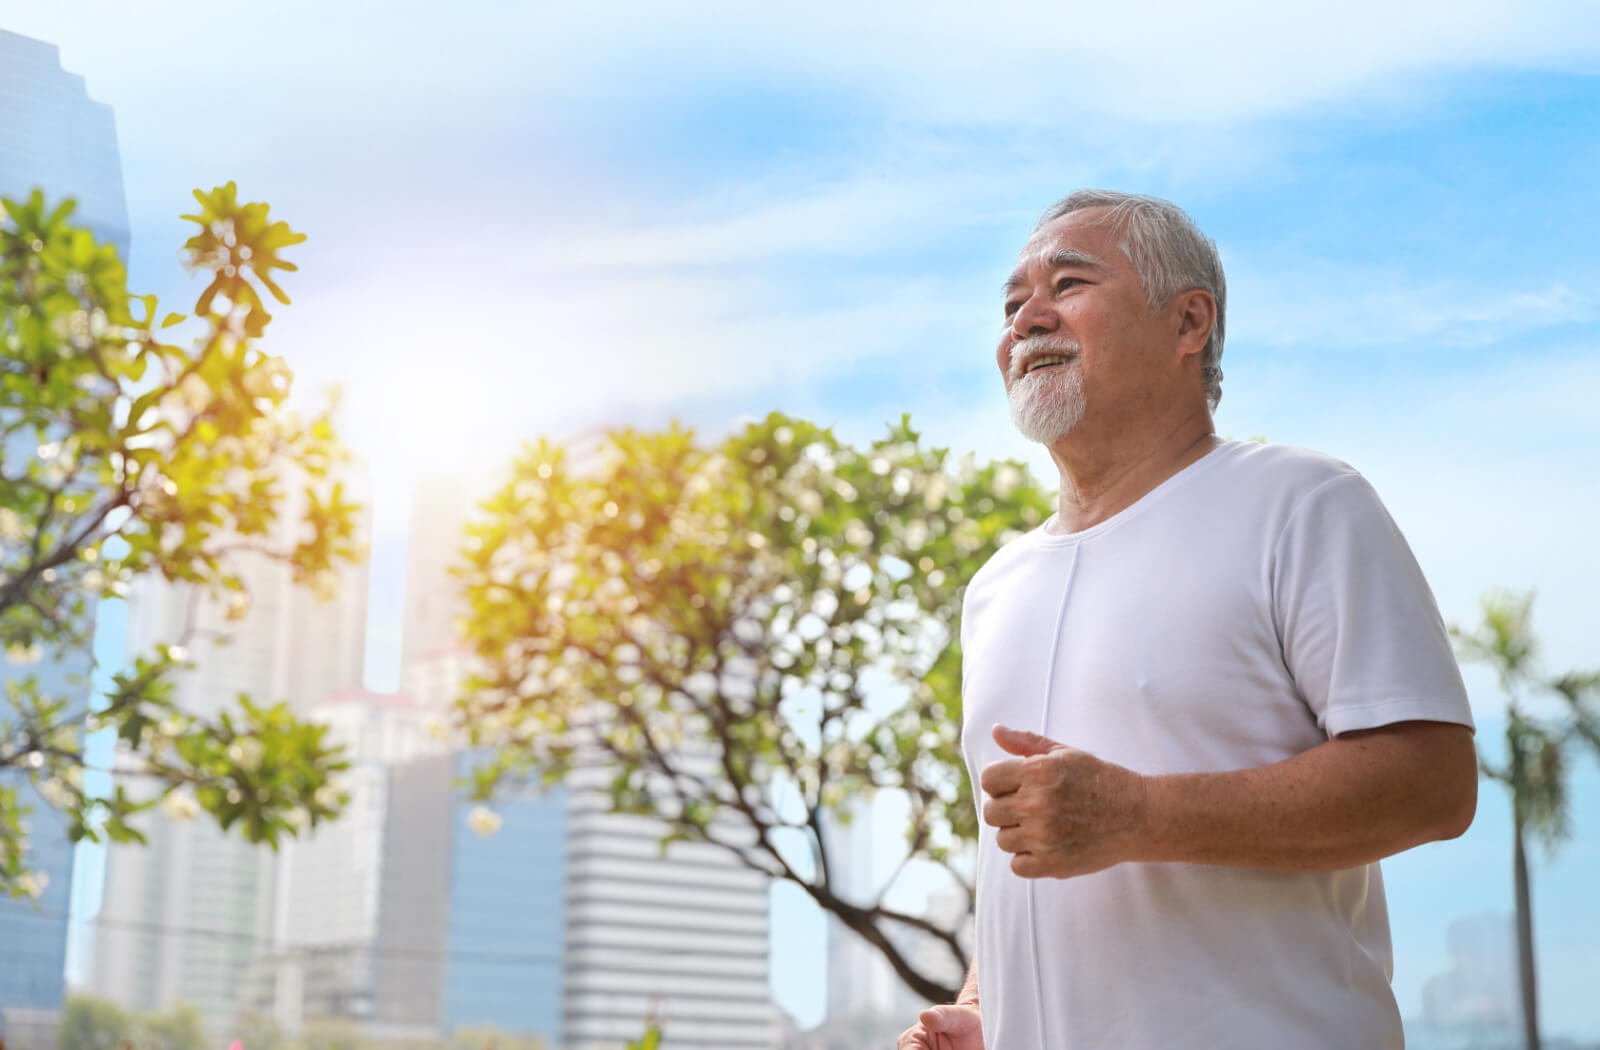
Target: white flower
{"x":50,"y":450}
{"x":483,"y":820}
{"x":246,"y":751}
{"x":33,"y":883}
{"x":11,"y":530}
{"x":177,"y":652}
{"x":180,"y":806}
{"x":196,"y":392}
{"x":94,"y":579}
{"x":326,"y":797}
{"x":23,"y":655}
{"x":295,"y":818}
{"x":54,"y":791}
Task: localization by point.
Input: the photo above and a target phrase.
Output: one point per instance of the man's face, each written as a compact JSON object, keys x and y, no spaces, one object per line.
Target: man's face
{"x":1080,"y":341}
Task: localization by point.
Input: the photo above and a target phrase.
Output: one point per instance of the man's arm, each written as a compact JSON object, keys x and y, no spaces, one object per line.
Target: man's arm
{"x":1355,"y":799}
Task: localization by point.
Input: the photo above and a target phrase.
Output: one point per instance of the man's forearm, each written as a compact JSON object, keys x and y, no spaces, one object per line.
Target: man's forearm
{"x":1353,"y":800}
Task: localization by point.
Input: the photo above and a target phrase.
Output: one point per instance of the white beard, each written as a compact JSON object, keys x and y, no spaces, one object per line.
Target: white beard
{"x":1048,"y":403}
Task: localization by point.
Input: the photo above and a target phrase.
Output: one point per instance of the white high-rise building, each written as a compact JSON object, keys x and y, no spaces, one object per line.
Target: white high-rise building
{"x":329,"y":882}
{"x":440,"y":507}
{"x":184,"y":915}
{"x":1480,"y":988}
{"x":681,"y":935}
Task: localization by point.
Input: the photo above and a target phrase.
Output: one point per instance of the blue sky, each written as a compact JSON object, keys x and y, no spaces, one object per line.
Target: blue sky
{"x":524,"y":221}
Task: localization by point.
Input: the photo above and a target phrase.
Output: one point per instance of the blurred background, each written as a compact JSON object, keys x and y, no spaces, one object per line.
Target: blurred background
{"x":533,"y":220}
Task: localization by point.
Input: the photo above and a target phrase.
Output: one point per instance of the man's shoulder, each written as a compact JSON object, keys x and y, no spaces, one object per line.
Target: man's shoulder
{"x":1284,"y":469}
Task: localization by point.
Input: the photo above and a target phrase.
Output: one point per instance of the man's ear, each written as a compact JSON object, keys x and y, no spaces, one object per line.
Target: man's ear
{"x":1197,"y":314}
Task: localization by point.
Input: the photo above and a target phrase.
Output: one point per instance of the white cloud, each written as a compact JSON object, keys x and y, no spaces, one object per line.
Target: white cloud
{"x":1014,"y":63}
{"x":1321,"y":305}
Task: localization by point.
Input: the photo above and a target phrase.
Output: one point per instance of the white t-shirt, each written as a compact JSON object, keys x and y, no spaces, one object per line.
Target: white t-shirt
{"x":1251,"y":607}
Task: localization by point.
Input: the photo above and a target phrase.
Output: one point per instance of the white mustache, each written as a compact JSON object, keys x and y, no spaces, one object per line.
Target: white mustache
{"x":1034,"y":346}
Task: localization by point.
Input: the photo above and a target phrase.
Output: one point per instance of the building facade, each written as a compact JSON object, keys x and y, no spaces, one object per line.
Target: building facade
{"x":320,"y":963}
{"x":470,"y":922}
{"x":185,"y":916}
{"x":55,"y":138}
{"x":677,"y":934}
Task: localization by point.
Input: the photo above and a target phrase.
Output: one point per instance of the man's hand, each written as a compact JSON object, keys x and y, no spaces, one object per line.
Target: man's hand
{"x":1060,"y":811}
{"x":953,"y":1027}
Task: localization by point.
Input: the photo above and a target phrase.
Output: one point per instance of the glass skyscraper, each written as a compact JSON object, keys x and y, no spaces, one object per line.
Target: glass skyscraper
{"x":470,"y":925}
{"x":53,"y":137}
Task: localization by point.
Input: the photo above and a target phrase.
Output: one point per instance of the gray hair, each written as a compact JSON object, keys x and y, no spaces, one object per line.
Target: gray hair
{"x":1169,"y":253}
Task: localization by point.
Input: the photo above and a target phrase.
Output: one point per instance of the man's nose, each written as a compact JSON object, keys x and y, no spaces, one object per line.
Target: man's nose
{"x":1033,"y":317}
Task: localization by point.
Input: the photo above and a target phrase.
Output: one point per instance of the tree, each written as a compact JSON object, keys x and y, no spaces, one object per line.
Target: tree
{"x":125,"y":455}
{"x":93,"y":1024}
{"x":258,"y":1031}
{"x":752,"y":636}
{"x":649,"y":1041}
{"x":488,"y":1038}
{"x":1538,"y":753}
{"x":182,"y":1029}
{"x":334,"y":1034}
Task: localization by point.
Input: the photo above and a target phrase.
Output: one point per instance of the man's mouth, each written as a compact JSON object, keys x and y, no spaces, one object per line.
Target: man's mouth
{"x":1033,"y":364}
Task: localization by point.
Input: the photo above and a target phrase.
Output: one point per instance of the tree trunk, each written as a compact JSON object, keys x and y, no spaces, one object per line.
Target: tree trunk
{"x":1530,"y":989}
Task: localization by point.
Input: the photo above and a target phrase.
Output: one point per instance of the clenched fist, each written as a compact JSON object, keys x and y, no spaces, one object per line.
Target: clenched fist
{"x":1060,"y":811}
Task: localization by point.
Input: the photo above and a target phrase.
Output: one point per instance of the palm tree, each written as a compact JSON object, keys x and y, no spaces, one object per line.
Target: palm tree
{"x":1538,"y":752}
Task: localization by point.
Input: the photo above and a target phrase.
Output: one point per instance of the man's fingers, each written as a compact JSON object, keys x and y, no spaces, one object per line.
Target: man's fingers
{"x":1001,"y":812}
{"x":1027,"y":865}
{"x":1002,"y":777}
{"x":916,"y":1037}
{"x":1010,"y":840}
{"x":950,"y":1020}
{"x":1021,"y":742}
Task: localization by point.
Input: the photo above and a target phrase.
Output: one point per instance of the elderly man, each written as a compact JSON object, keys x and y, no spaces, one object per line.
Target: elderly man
{"x":1202,"y":701}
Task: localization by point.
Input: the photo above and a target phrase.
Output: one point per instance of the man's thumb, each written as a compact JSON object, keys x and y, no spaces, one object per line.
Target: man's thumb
{"x":1022,"y":742}
{"x":953,"y":1020}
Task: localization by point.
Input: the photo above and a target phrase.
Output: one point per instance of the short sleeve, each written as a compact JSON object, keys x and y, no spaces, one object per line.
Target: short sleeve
{"x":1361,"y":632}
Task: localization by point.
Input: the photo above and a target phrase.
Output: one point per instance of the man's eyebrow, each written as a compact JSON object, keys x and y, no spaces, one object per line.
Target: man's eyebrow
{"x":1054,"y":261}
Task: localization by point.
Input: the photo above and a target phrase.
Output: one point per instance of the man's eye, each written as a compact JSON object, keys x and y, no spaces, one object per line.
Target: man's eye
{"x":1068,"y":282}
{"x":1013,"y":306}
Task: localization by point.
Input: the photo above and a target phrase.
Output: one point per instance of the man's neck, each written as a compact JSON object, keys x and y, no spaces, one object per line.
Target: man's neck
{"x":1100,"y":479}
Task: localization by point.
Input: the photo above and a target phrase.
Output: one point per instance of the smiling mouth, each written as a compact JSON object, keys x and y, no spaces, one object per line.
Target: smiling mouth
{"x":1046,"y":361}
